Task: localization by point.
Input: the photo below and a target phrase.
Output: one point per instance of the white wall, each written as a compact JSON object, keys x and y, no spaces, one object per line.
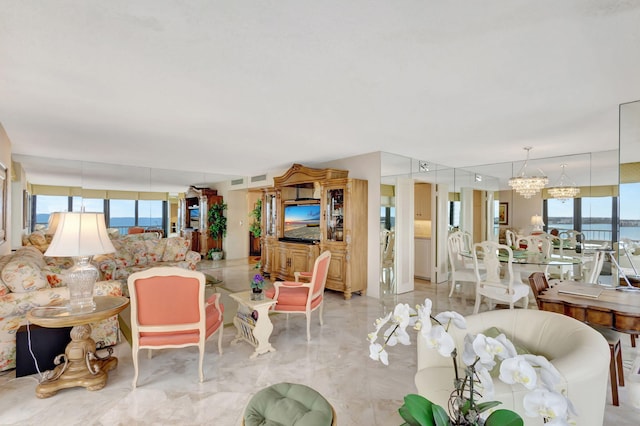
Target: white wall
{"x":521,"y":209}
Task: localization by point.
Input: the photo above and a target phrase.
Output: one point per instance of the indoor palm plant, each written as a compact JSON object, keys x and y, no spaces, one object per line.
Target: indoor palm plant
{"x":217,"y":228}
{"x":256,"y":228}
{"x":470,"y":402}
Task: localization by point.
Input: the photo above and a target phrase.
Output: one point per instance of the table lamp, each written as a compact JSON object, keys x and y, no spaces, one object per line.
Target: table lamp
{"x":80,"y":236}
{"x":537,"y":223}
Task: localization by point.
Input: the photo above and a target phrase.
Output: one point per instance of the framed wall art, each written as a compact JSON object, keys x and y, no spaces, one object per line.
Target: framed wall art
{"x":503,"y":214}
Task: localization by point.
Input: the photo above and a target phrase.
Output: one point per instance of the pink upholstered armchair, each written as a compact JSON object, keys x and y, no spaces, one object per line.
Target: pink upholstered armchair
{"x":168,"y":310}
{"x":303,"y":298}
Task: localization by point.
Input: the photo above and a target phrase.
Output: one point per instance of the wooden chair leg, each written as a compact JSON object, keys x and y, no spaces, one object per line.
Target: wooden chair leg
{"x":612,"y":374}
{"x":633,"y":340}
{"x":620,"y":366}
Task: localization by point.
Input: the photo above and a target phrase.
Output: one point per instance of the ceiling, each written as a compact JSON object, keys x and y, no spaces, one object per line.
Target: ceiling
{"x":240,"y":88}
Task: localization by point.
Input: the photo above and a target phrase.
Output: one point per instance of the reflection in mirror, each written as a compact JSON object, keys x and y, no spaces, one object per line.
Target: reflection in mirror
{"x":630,"y":177}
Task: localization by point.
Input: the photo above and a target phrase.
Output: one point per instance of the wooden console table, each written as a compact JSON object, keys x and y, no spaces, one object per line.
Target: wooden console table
{"x":253,"y":323}
{"x":79,"y":365}
{"x":618,"y":310}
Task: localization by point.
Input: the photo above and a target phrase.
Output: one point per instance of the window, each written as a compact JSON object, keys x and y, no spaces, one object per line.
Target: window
{"x":630,"y":211}
{"x":150,"y":213}
{"x":120,"y":214}
{"x":44,"y":205}
{"x":597,"y":218}
{"x":560,"y":215}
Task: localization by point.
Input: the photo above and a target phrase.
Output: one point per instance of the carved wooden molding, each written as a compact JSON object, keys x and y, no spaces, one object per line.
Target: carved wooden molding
{"x":299,"y":174}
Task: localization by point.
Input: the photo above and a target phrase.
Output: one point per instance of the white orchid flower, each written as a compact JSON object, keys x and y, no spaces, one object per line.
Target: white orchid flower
{"x":511,"y":350}
{"x":423,"y":323}
{"x":546,"y":404}
{"x":518,"y":370}
{"x":396,"y":334}
{"x":468,"y":353}
{"x":447,"y":317}
{"x":402,"y":315}
{"x":558,"y":421}
{"x":486,"y":384}
{"x":549,"y":375}
{"x":378,"y":324}
{"x":486,"y":348}
{"x":377,"y":353}
{"x":440,"y":340}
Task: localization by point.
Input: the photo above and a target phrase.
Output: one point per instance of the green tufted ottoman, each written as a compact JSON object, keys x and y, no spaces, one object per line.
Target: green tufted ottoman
{"x":288,"y":404}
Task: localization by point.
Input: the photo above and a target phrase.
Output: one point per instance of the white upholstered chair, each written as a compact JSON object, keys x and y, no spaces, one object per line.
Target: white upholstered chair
{"x":505,"y":289}
{"x":577,"y":351}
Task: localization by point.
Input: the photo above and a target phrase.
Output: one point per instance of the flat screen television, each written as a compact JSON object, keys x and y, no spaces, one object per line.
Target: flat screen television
{"x":302,"y":222}
{"x":194,"y":213}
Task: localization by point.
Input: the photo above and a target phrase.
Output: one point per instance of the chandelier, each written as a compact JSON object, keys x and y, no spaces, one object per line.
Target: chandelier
{"x":527,"y":186}
{"x":563,"y":191}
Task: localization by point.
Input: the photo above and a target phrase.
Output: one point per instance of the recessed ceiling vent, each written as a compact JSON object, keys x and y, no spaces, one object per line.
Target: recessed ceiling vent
{"x":258,"y":178}
{"x":237,"y":181}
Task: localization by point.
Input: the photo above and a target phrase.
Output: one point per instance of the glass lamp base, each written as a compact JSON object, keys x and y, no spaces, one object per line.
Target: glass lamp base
{"x":81,"y":279}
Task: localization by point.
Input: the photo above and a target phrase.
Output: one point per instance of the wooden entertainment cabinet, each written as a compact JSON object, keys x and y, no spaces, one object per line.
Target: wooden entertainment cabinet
{"x":343,"y":227}
{"x":196,"y":228}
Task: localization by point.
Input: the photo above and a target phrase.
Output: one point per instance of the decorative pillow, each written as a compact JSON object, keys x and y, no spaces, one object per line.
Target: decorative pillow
{"x":155,"y":249}
{"x":138,"y":250}
{"x":22,"y":275}
{"x":176,"y":249}
{"x":494,"y":332}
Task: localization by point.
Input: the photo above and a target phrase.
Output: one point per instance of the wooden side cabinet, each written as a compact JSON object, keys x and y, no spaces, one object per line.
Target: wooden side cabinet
{"x":294,"y":257}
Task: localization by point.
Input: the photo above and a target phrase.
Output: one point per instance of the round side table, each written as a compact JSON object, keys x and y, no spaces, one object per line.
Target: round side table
{"x":79,"y":365}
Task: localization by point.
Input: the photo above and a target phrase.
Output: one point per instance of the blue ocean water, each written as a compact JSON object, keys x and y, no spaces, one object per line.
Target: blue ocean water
{"x":117,"y":222}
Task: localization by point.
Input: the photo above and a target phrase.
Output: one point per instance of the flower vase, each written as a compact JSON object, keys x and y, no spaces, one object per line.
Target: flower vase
{"x":257,"y":294}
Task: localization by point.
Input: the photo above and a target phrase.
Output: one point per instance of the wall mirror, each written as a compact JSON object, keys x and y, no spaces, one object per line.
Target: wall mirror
{"x":630,"y":170}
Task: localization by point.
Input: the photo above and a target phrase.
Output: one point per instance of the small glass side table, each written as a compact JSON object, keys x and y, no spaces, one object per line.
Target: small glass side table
{"x":253,"y":323}
{"x":79,"y":365}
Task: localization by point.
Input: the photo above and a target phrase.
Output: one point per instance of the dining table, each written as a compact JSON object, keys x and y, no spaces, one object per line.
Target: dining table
{"x":612,"y":307}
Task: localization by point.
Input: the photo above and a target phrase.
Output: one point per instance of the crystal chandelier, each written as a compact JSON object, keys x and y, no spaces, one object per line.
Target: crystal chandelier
{"x":527,"y":186}
{"x":563,"y":191}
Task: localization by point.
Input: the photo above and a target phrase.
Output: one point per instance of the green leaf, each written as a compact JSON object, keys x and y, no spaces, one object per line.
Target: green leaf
{"x":504,"y":418}
{"x":486,"y":405}
{"x":440,"y":416}
{"x":417,"y":411}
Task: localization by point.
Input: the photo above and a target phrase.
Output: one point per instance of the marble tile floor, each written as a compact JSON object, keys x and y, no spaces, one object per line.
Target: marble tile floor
{"x":335,"y":363}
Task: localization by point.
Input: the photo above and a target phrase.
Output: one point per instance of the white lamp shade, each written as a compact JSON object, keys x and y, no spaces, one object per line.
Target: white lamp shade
{"x":80,"y":234}
{"x":52,"y":226}
{"x":536,"y":220}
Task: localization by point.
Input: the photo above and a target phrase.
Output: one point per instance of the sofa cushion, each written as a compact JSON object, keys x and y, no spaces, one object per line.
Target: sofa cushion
{"x":176,"y":249}
{"x":155,"y":250}
{"x":138,"y":250}
{"x":23,"y":272}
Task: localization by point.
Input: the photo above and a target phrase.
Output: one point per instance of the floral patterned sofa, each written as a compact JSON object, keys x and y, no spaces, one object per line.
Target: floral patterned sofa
{"x":28,"y":280}
{"x":137,"y":252}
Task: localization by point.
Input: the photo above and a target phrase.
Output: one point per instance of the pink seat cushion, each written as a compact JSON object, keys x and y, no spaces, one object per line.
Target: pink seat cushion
{"x":293,"y":298}
{"x":155,"y":309}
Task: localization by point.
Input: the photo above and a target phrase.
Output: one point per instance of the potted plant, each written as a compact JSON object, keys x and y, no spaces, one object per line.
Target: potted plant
{"x":256,"y":228}
{"x":217,"y":228}
{"x":257,"y":284}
